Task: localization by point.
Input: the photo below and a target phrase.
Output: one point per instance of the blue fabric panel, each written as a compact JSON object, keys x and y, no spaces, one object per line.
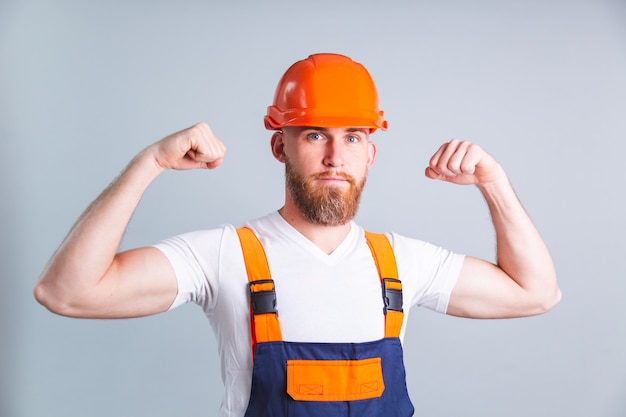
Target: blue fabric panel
{"x":269,"y":396}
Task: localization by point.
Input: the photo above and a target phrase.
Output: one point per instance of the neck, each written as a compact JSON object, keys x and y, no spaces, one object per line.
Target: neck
{"x":326,"y":237}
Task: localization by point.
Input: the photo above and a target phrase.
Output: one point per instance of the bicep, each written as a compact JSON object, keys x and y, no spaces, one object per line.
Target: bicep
{"x":483,"y":290}
{"x":140,"y":282}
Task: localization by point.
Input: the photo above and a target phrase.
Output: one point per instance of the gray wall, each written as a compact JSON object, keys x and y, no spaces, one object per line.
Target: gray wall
{"x":540,"y":84}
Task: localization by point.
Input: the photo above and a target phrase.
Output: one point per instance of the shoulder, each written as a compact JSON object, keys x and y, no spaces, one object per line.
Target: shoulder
{"x":269,"y":222}
{"x":207,"y":249}
{"x":400,"y":242}
{"x":420,"y":255}
{"x":197,"y":239}
{"x":416,"y":246}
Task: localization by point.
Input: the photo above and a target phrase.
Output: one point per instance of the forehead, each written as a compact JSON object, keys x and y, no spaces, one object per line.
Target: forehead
{"x":329,"y":130}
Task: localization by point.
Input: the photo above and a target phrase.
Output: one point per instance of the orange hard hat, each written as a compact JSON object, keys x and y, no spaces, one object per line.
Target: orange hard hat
{"x":326,"y":90}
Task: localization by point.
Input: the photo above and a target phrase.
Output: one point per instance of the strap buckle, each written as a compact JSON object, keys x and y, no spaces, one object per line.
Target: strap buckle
{"x":392,"y":294}
{"x":262,"y":296}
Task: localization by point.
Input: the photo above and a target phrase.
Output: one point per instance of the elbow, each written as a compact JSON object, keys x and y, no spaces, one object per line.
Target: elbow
{"x":549,"y":301}
{"x":42,"y":295}
{"x":52,"y":301}
{"x":557,"y":298}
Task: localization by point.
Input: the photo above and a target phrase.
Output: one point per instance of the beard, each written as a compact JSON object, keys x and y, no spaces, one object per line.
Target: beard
{"x":323,"y":204}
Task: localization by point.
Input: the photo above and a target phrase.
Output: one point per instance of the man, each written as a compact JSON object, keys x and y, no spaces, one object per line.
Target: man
{"x":334,"y":352}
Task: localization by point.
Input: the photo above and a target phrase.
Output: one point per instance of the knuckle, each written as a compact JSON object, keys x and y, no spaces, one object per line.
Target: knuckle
{"x":201,"y":126}
{"x":442,"y":167}
{"x":473,"y":147}
{"x":467,"y":167}
{"x":200,"y":129}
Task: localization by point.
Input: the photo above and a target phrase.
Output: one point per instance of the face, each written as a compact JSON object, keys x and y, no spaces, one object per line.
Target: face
{"x":325,"y":170}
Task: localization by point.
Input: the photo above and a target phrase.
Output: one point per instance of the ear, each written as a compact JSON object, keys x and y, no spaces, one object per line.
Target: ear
{"x":371,"y":154}
{"x":278,"y":146}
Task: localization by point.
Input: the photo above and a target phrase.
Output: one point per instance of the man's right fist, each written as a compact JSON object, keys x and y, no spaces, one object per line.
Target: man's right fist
{"x":191,"y":148}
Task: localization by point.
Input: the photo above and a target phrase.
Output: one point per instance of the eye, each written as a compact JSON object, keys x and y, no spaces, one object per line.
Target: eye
{"x":314,"y":136}
{"x":352,"y":139}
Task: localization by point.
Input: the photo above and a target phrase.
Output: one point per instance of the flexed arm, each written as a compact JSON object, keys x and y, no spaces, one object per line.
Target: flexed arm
{"x":523,"y":282}
{"x":86,"y":277}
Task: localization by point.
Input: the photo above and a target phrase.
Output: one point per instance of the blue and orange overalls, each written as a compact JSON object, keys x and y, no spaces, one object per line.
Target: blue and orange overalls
{"x":324,"y":379}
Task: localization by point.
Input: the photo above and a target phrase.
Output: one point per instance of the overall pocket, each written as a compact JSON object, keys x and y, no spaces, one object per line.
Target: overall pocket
{"x":334,"y":380}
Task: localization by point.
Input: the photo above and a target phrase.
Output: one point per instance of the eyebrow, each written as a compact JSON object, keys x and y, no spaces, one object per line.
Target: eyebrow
{"x":323,"y":129}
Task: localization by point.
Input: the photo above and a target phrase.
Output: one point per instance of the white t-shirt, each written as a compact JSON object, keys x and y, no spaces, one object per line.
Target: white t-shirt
{"x":320,"y":297}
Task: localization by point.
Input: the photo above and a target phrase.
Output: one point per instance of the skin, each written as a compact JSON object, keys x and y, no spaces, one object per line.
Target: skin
{"x":87,"y":277}
{"x":329,"y":150}
{"x":524,"y":281}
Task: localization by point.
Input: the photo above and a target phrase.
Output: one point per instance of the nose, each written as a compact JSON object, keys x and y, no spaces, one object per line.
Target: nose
{"x":333,"y":156}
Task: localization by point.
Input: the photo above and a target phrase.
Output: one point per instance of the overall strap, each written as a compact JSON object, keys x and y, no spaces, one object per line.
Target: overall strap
{"x":391,"y":286}
{"x":264,"y":325}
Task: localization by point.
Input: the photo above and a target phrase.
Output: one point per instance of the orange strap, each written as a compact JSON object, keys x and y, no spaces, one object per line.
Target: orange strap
{"x":264,"y":327}
{"x":388,"y":272}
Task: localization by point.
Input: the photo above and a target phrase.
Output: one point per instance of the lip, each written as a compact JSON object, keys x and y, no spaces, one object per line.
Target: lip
{"x":333,"y":179}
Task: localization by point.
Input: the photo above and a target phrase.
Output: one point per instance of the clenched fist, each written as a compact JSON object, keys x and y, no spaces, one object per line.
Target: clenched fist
{"x":462,"y":162}
{"x":192,"y":148}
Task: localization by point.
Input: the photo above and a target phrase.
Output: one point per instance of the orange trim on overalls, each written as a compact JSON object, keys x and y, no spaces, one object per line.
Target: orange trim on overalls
{"x":264,"y":327}
{"x":335,"y":380}
{"x":387,"y":268}
{"x":313,"y":379}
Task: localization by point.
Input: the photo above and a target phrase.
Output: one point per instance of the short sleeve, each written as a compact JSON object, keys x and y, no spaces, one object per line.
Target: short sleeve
{"x":195,"y":258}
{"x":428,"y":272}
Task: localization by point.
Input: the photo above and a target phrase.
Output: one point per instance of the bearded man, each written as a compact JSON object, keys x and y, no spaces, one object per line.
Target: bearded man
{"x":343,"y":293}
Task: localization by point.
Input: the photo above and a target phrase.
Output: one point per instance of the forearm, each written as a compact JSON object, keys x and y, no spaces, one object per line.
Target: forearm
{"x":521,"y":252}
{"x":88,"y":251}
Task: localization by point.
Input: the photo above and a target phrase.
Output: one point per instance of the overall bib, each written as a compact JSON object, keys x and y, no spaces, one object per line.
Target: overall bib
{"x":324,"y":379}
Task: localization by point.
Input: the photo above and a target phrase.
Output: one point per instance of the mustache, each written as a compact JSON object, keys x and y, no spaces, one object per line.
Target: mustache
{"x":331,"y":174}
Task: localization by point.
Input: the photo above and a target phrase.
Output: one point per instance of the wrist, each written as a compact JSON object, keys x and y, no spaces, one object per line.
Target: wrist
{"x":496,"y":178}
{"x":499,"y":193}
{"x":143,"y":168}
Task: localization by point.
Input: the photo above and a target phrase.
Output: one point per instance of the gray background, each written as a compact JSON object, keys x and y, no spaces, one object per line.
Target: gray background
{"x":540,"y":84}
